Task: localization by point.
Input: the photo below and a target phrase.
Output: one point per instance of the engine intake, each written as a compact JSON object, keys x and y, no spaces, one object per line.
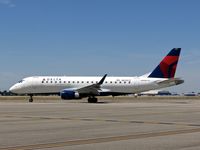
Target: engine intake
{"x":69,"y":94}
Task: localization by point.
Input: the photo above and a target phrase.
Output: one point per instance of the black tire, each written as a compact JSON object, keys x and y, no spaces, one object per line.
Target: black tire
{"x":30,"y":100}
{"x":92,"y":100}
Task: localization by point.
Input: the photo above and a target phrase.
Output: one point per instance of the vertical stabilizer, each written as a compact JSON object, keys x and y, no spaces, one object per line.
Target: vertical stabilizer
{"x":167,"y":67}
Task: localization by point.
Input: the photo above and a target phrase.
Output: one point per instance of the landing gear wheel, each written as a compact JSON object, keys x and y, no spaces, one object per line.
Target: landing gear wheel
{"x":31,"y":99}
{"x":92,"y":100}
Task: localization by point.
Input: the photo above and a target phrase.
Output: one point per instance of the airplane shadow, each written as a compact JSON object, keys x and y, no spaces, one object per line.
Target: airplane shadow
{"x":96,"y":103}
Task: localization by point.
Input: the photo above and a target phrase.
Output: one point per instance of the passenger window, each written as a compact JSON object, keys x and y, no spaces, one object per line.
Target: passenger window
{"x":87,"y":81}
{"x":82,"y":82}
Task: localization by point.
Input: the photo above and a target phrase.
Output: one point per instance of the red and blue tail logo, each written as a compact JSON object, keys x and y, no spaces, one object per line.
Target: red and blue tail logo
{"x":167,"y":67}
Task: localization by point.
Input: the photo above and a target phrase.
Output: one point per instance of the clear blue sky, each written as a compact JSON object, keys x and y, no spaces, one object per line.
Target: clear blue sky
{"x":94,"y":37}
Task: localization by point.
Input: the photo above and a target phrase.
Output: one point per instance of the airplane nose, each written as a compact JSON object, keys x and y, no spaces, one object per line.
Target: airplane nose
{"x":13,"y":89}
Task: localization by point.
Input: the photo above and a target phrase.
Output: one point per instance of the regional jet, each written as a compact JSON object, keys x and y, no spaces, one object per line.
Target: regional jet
{"x":77,"y":87}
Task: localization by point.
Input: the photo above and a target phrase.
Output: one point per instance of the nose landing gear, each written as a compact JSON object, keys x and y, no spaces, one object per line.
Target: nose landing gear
{"x":31,"y":98}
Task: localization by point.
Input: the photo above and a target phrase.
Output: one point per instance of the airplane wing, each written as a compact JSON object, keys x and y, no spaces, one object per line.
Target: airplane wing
{"x":93,"y":89}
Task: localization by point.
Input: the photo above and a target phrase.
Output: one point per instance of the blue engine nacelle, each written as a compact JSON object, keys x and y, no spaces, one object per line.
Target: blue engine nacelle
{"x":69,"y":94}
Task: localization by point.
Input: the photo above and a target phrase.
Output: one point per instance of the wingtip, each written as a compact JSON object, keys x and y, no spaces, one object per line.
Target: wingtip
{"x":102,"y":80}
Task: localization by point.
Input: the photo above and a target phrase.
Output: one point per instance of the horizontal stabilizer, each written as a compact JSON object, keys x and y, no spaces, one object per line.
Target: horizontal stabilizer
{"x":172,"y":81}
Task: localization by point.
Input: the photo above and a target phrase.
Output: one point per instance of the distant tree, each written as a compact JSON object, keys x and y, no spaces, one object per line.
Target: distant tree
{"x":6,"y":93}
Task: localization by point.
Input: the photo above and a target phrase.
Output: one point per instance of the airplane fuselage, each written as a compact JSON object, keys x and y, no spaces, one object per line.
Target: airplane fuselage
{"x":55,"y":84}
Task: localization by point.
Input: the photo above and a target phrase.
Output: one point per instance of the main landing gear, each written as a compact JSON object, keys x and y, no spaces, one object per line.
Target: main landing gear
{"x":92,"y":100}
{"x":31,"y":98}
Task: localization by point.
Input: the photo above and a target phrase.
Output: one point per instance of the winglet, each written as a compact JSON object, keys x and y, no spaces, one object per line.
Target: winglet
{"x":102,"y":80}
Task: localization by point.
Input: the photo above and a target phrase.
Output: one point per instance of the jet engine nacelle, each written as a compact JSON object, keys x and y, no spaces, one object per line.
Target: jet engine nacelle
{"x":69,"y":94}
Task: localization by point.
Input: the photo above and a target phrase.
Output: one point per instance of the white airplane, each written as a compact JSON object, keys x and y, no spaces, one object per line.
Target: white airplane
{"x":74,"y":87}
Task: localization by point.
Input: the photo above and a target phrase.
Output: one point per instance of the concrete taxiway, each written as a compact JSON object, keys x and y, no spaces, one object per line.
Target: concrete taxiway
{"x":125,"y":124}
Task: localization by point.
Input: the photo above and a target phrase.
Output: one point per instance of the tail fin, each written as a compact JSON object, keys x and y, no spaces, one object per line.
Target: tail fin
{"x":167,"y":67}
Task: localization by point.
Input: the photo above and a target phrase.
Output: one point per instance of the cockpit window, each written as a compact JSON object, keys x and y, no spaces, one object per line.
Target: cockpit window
{"x":20,"y":81}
